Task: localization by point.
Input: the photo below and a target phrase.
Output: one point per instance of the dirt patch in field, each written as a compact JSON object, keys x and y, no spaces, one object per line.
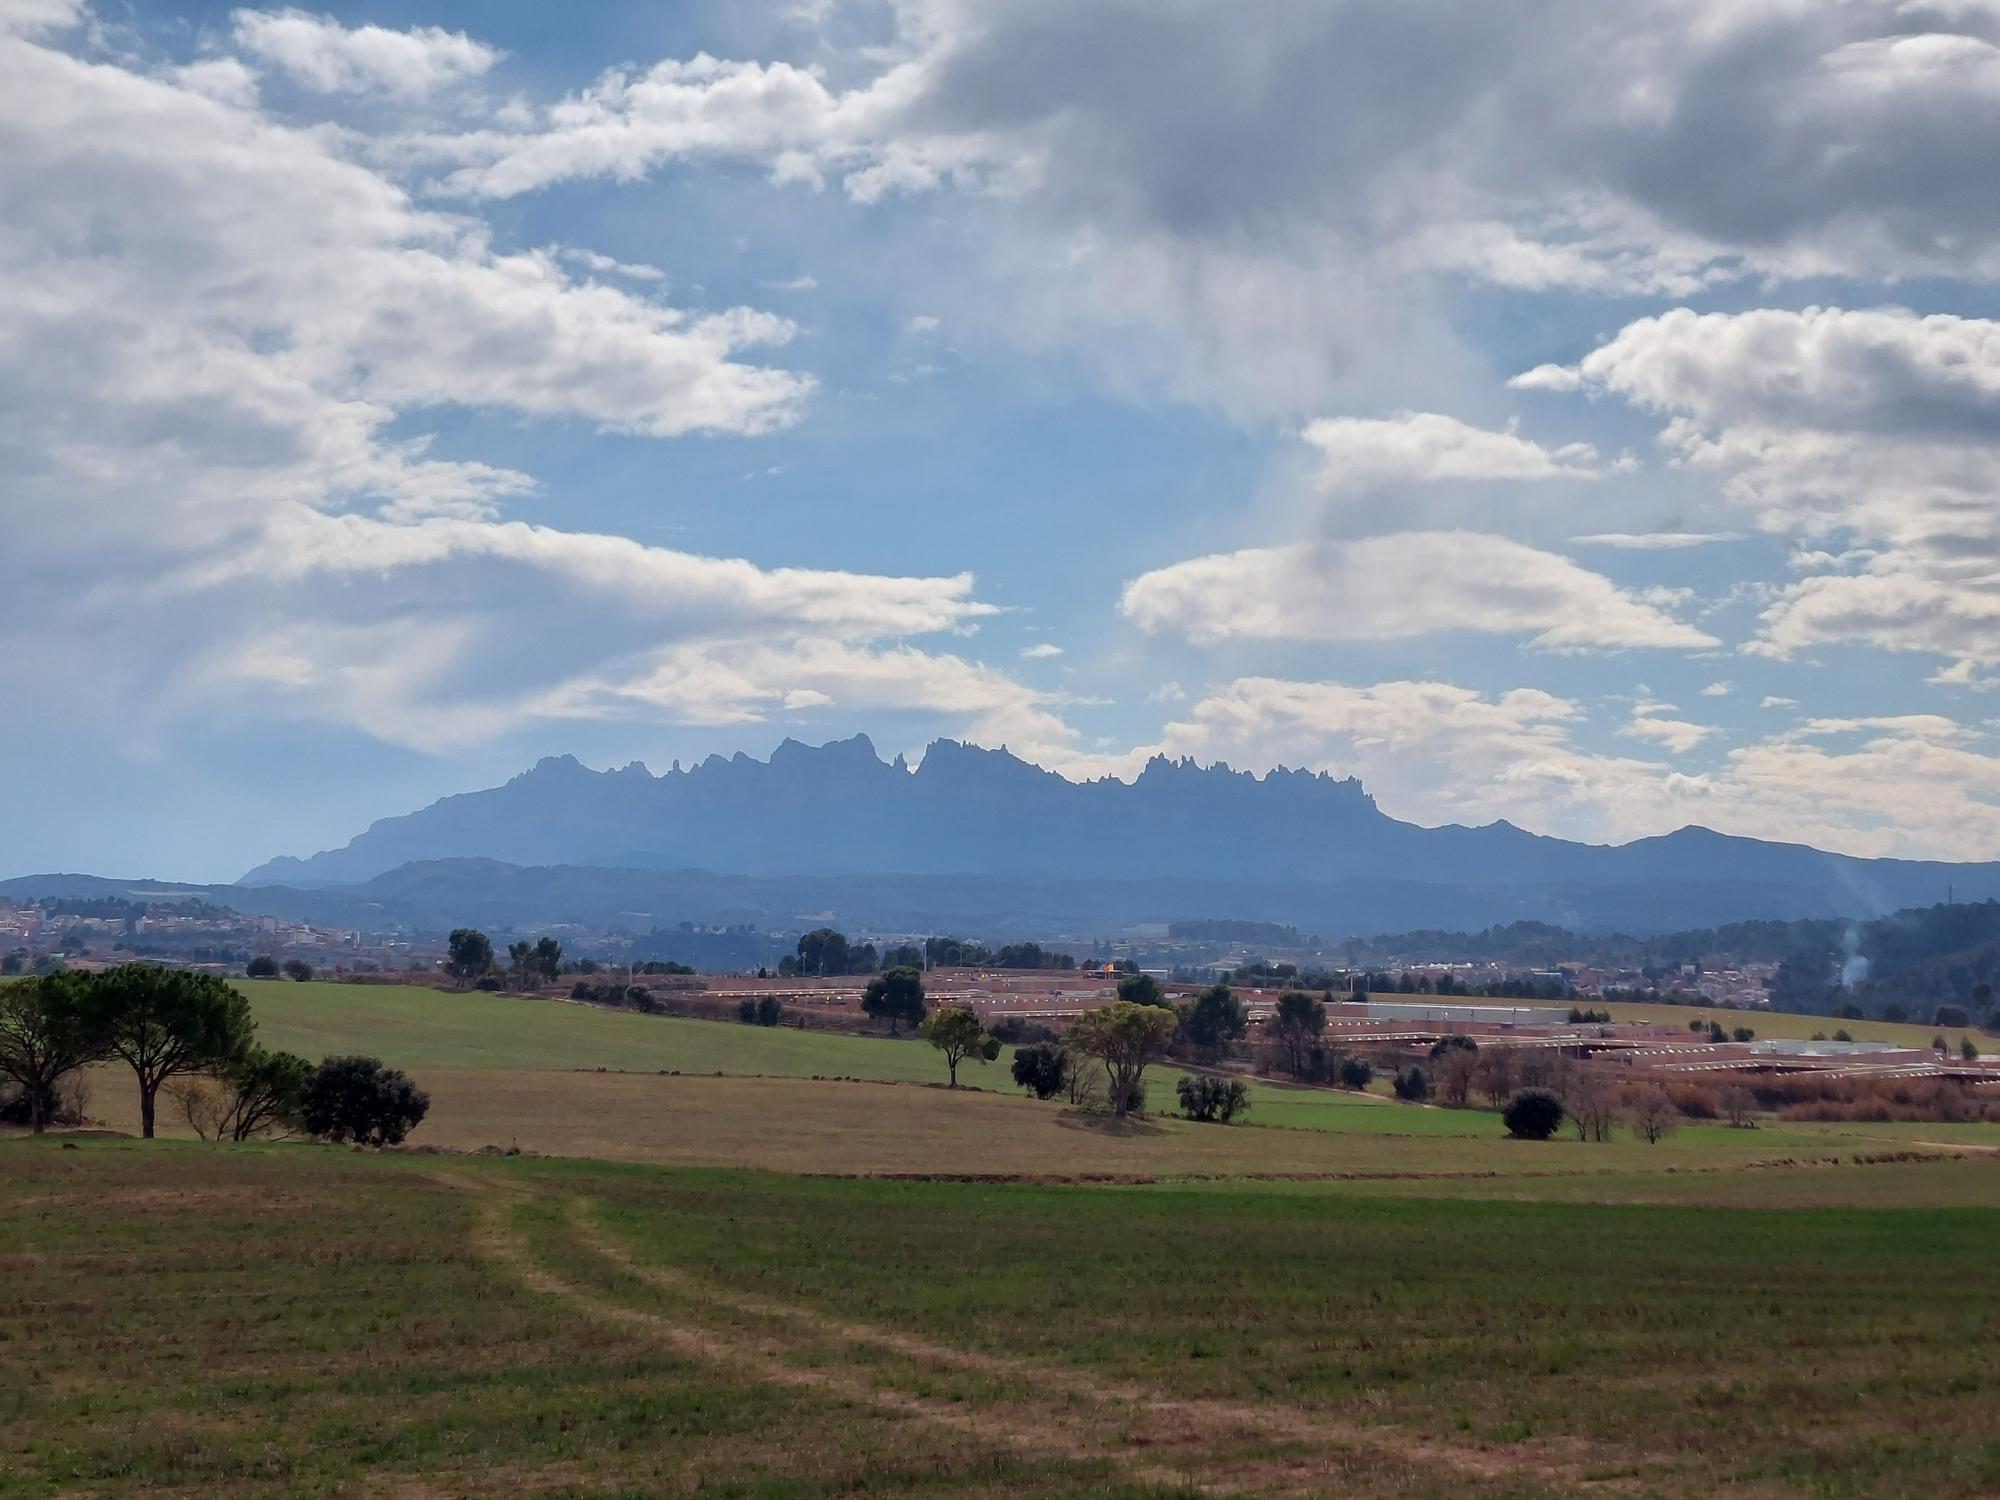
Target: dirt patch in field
{"x":174,"y":1200}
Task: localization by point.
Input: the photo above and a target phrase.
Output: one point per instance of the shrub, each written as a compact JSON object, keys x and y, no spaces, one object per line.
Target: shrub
{"x":1446,"y":1044}
{"x":770,"y":1011}
{"x":1355,"y":1073}
{"x":1533,"y":1115}
{"x":1743,"y":1034}
{"x":1015,"y":1032}
{"x":357,"y":1099}
{"x":1695,"y":1102}
{"x":746,"y":1011}
{"x":1042,"y":1068}
{"x":1951,"y":1015}
{"x":263,"y":966}
{"x":1411,"y":1084}
{"x":1212,"y":1099}
{"x":491,"y":984}
{"x":298,"y":969}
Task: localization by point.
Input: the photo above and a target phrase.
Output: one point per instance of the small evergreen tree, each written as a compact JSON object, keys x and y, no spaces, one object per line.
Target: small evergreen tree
{"x":1533,"y":1115}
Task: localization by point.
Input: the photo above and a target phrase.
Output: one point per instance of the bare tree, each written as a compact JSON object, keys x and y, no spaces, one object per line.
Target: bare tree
{"x":1740,"y":1105}
{"x":199,"y":1102}
{"x":1590,"y":1101}
{"x":1653,"y":1114}
{"x":1494,"y":1075}
{"x":1087,"y":1082}
{"x":1455,"y":1070}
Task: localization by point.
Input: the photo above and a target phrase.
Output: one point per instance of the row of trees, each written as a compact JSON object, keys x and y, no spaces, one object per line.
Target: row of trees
{"x":264,"y":966}
{"x":193,"y":1034}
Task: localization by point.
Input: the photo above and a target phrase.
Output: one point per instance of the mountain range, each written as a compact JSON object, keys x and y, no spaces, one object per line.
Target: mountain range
{"x":980,"y":840}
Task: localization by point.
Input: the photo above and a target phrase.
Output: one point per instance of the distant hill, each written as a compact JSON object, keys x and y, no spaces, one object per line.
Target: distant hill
{"x":985,"y":841}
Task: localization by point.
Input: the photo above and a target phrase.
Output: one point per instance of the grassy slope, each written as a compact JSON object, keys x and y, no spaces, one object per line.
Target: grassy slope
{"x":296,"y":1321}
{"x":425,"y":1030}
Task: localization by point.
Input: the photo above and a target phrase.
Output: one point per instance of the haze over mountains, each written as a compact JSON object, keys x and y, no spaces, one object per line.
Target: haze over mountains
{"x":978,"y":839}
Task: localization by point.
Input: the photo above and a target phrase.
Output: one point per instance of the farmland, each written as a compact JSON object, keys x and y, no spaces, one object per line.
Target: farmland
{"x":300,"y":1321}
{"x":746,"y":1261}
{"x":1770,"y":1024}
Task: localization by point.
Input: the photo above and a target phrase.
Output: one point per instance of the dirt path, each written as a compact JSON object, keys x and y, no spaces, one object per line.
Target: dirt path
{"x":1055,"y":1435}
{"x":1052,"y":1410}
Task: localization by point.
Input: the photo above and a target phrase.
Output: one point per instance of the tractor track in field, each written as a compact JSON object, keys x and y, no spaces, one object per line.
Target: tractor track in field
{"x":1048,"y":1411}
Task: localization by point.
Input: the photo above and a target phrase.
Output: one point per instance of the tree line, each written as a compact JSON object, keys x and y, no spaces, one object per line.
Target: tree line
{"x":190,"y":1037}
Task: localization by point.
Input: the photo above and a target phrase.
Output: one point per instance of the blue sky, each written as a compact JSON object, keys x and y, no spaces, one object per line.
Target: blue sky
{"x":1581,"y":415}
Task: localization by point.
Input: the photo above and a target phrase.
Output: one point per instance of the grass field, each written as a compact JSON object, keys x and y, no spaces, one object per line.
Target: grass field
{"x":718,"y":1275}
{"x":800,"y":1125}
{"x":425,"y":1031}
{"x":1780,"y":1024}
{"x":286,"y":1320}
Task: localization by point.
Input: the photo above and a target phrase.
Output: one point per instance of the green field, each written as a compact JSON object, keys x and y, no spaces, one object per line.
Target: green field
{"x":292,"y":1320}
{"x":778,"y":1265}
{"x":1781,"y":1024}
{"x":428,"y":1030}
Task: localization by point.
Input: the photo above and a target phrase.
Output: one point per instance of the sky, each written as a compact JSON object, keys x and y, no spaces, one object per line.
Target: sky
{"x":1585,"y":415}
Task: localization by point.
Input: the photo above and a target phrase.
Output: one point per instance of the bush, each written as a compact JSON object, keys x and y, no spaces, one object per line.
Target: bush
{"x":1016,"y":1032}
{"x":298,"y":969}
{"x":1446,"y":1044}
{"x":1212,"y":1099}
{"x":357,"y":1099}
{"x":1411,"y":1084}
{"x":1533,"y":1115}
{"x":263,"y":966}
{"x":1743,"y":1034}
{"x":491,"y":984}
{"x":1355,"y":1073}
{"x":1042,"y":1068}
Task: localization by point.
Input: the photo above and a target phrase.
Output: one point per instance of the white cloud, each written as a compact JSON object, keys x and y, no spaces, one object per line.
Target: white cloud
{"x":331,"y":58}
{"x":925,"y":323}
{"x":1435,"y":752}
{"x":215,"y":502}
{"x":1263,"y":214}
{"x":30,"y":17}
{"x":593,"y":261}
{"x":1362,"y":453}
{"x":1654,"y":541}
{"x":1718,"y":690}
{"x":1395,"y":587}
{"x":1775,"y":701}
{"x":1648,"y":722}
{"x":1041,"y":651}
{"x":1876,"y":428}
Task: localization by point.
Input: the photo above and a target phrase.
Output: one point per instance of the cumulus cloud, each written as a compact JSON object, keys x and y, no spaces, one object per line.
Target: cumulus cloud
{"x":1650,"y":721}
{"x":1252,"y":210}
{"x":331,"y":58}
{"x":1436,"y":752}
{"x":1873,"y":429}
{"x":1041,"y":651}
{"x":1654,"y":541}
{"x":218,"y":336}
{"x":1360,"y":453}
{"x":1395,"y":587}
